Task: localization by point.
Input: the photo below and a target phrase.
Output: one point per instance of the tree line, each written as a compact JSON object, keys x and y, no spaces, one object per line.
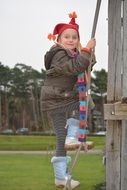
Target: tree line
{"x":20,"y":92}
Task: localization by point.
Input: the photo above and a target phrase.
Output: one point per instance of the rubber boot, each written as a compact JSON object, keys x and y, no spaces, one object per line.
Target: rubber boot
{"x":71,"y":141}
{"x":60,"y":172}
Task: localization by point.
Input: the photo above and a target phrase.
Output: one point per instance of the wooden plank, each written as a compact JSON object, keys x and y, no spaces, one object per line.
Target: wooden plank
{"x":113,"y":156}
{"x":113,"y":138}
{"x":115,"y":111}
{"x":114,"y":51}
{"x":111,"y":65}
{"x":120,"y":110}
{"x":109,"y":112}
{"x":124,"y":157}
{"x":124,"y":91}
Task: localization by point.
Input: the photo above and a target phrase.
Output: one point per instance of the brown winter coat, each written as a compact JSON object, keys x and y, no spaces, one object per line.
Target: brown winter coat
{"x":61,"y":76}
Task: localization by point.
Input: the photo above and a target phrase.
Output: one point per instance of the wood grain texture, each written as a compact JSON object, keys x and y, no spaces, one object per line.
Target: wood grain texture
{"x":114,"y":129}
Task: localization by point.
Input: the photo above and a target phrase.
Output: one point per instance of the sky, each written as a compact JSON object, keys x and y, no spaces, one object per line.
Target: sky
{"x":25,"y":24}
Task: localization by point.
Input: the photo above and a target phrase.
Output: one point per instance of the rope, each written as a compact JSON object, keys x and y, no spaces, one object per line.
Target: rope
{"x":92,"y":36}
{"x":83,"y":144}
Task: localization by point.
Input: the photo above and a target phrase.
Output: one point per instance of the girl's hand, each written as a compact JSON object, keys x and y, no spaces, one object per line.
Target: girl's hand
{"x":91,"y":43}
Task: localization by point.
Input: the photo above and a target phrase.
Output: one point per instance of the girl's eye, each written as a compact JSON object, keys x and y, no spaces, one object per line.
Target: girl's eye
{"x":74,"y":37}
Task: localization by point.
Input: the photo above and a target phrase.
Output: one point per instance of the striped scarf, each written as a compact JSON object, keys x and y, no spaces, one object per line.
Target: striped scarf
{"x":82,"y":85}
{"x":82,"y":90}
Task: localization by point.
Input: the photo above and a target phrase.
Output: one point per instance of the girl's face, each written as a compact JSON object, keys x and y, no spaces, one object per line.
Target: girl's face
{"x":69,"y":39}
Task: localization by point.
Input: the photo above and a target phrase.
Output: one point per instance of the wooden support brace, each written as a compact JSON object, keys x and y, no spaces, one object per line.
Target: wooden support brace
{"x":116,"y":111}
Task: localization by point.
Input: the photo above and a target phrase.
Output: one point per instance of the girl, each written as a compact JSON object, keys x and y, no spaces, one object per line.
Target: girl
{"x":63,"y":62}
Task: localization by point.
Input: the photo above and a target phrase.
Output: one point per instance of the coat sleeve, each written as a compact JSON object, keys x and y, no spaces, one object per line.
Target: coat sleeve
{"x":65,"y":64}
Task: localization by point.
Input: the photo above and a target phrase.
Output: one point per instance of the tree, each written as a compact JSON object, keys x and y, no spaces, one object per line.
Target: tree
{"x":5,"y":75}
{"x":99,"y":90}
{"x":26,"y":88}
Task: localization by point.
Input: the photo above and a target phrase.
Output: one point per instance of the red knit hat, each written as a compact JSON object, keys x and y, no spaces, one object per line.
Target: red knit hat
{"x":59,"y":28}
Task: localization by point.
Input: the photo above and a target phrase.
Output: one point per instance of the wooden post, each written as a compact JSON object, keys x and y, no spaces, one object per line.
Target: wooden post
{"x":116,"y":139}
{"x":124,"y":91}
{"x":114,"y":94}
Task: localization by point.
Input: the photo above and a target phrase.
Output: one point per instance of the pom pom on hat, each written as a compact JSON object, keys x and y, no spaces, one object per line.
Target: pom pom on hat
{"x":51,"y":37}
{"x":59,"y":28}
{"x":73,"y":15}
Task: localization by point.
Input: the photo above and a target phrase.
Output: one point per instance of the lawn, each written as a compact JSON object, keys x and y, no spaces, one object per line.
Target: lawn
{"x":39,"y":142}
{"x":30,"y":172}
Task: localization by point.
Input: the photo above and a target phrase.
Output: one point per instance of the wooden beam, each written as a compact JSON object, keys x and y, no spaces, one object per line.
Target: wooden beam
{"x":124,"y":93}
{"x":116,"y":111}
{"x":113,"y":137}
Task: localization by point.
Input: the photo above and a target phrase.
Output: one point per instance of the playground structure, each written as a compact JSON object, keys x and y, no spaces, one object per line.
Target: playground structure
{"x":115,"y":111}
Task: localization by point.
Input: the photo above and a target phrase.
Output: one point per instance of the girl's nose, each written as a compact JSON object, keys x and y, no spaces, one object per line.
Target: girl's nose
{"x":71,"y":39}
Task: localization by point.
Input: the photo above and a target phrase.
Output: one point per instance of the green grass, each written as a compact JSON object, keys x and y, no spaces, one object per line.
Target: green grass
{"x":30,"y":172}
{"x":39,"y":142}
{"x":99,"y":141}
{"x":27,"y":142}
